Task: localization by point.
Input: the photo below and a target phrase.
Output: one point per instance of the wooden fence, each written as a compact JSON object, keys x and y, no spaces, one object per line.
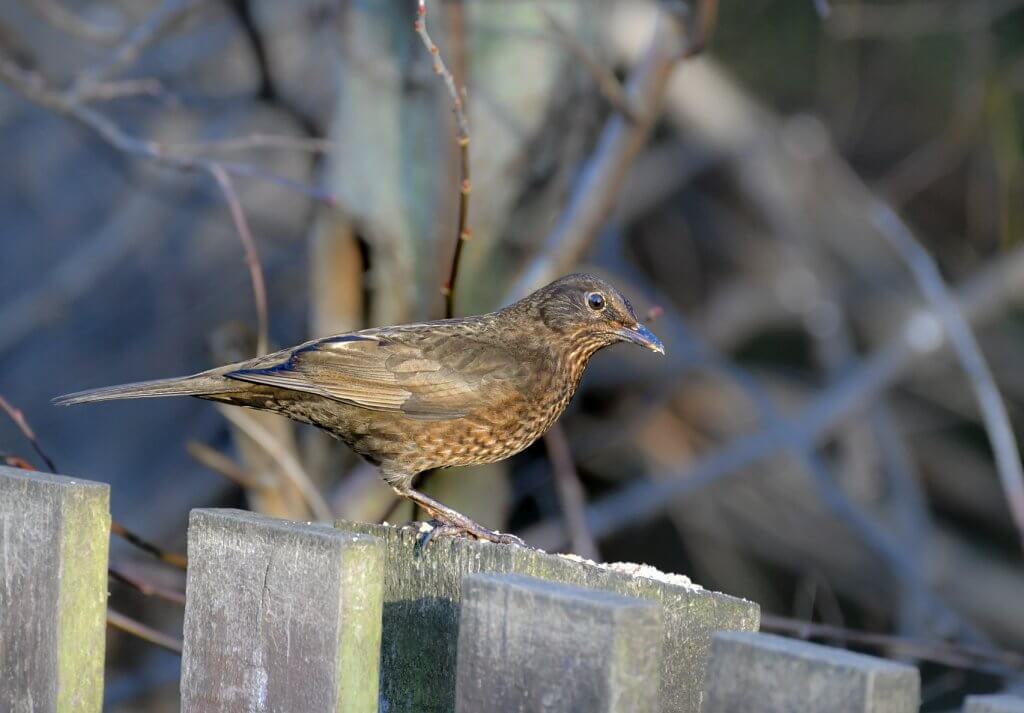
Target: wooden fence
{"x":284,"y":616}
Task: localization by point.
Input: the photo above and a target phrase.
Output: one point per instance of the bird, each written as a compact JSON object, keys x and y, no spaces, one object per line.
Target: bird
{"x":415,"y":397}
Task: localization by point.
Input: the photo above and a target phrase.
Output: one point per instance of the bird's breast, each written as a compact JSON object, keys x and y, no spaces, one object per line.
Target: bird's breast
{"x":506,"y":427}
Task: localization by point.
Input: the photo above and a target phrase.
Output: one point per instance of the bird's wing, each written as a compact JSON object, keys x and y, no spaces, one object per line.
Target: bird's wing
{"x":419,"y":373}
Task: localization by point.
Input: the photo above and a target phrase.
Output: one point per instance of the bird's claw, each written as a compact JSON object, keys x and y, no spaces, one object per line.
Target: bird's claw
{"x":430,"y":530}
{"x":503,"y":538}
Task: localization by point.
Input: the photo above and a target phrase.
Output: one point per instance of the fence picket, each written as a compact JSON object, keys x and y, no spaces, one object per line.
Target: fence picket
{"x":772,"y":674}
{"x":54,"y":540}
{"x":526,"y":644}
{"x":1000,"y":703}
{"x":280,"y":616}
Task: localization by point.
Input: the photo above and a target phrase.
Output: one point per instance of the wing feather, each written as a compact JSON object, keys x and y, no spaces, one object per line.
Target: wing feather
{"x":407,"y":371}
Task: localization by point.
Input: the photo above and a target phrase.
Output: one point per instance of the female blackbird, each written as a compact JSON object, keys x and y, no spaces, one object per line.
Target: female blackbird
{"x":419,"y":396}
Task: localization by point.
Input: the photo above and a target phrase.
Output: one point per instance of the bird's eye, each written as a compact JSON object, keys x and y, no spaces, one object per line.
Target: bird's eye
{"x":596,"y":301}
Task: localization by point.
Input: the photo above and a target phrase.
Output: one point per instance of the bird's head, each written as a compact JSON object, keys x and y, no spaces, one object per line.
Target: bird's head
{"x":591,"y":314}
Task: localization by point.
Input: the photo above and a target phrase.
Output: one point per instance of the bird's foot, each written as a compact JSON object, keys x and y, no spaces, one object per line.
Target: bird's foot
{"x":451,"y":522}
{"x":430,"y":530}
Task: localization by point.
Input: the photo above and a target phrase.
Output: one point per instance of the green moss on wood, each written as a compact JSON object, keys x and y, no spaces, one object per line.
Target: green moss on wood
{"x":54,"y":536}
{"x":362,"y":591}
{"x":82,"y":602}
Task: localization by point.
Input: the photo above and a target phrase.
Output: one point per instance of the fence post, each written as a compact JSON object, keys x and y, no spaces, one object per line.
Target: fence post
{"x":1000,"y":703}
{"x":526,"y":644}
{"x":54,"y":537}
{"x":422,"y":594}
{"x":772,"y":674}
{"x":280,"y":616}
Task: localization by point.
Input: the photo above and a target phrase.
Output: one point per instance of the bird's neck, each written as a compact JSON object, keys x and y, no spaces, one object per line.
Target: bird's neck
{"x":577,"y":353}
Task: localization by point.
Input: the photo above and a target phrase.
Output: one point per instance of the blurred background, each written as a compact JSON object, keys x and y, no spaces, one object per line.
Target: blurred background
{"x":820,"y":214}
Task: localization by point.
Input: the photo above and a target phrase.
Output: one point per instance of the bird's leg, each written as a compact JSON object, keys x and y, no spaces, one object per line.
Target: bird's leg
{"x":454,"y":522}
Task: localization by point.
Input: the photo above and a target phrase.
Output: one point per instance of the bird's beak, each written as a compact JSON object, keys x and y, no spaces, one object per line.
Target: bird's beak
{"x":642,"y":336}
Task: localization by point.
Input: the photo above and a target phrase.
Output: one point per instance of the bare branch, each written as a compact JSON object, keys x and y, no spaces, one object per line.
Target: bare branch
{"x":607,"y":83}
{"x":707,"y":16}
{"x":54,"y":12}
{"x":171,"y":558}
{"x":570,"y":493}
{"x":119,"y":89}
{"x":255,"y":141}
{"x":605,"y":171}
{"x":288,"y":463}
{"x":252,"y":258}
{"x":463,"y":233}
{"x":441,"y":69}
{"x":26,"y":430}
{"x":139,"y":630}
{"x":34,"y":88}
{"x":137,"y":40}
{"x":146,"y":588}
{"x":15,"y":461}
{"x":220,"y":463}
{"x":965,"y":345}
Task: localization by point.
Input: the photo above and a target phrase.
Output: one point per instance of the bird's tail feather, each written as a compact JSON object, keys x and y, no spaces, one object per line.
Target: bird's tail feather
{"x":205,"y":384}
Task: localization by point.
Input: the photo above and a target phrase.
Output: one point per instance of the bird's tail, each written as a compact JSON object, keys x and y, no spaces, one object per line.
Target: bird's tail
{"x":204,"y":384}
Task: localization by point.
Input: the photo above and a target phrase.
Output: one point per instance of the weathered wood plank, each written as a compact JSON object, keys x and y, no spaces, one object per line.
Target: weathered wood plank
{"x":422,"y":594}
{"x":772,"y":674}
{"x":1000,"y":703}
{"x":280,"y":616}
{"x":54,"y":539}
{"x":527,"y":644}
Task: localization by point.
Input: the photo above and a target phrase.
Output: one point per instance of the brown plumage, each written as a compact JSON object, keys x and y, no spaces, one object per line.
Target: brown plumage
{"x":420,"y":396}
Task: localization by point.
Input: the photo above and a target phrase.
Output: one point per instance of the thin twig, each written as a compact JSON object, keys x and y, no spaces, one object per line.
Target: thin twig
{"x":172,"y":558}
{"x":255,"y":141}
{"x":146,"y":588}
{"x":26,"y":430}
{"x":128,"y":625}
{"x":463,"y":233}
{"x":252,"y":259}
{"x":707,"y":16}
{"x":54,"y":12}
{"x":570,"y":493}
{"x":605,"y":171}
{"x":15,"y":461}
{"x":115,"y":527}
{"x":34,"y":88}
{"x":289,"y":465}
{"x":461,"y":123}
{"x":993,"y":410}
{"x":220,"y":463}
{"x":107,"y":91}
{"x":607,"y":83}
{"x":135,"y":42}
